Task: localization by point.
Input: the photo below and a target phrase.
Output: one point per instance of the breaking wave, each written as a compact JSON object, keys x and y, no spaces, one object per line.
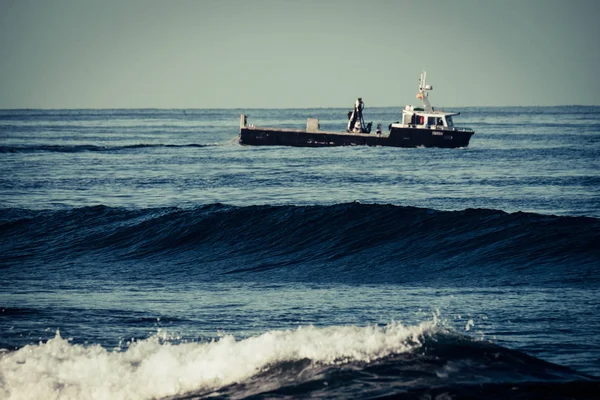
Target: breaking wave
{"x":339,"y":361}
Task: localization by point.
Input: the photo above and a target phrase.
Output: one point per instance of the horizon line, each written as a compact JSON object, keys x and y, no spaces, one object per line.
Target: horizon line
{"x":275,"y":108}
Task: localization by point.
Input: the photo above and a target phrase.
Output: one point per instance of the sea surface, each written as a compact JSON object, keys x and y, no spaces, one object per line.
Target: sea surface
{"x":145,"y":254}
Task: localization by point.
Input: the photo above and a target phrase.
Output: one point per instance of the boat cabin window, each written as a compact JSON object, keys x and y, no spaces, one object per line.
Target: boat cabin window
{"x":449,"y":121}
{"x":413,"y":119}
{"x":431,"y":120}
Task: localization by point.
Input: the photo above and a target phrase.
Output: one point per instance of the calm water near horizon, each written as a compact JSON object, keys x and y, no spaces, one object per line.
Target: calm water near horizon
{"x":146,"y":254}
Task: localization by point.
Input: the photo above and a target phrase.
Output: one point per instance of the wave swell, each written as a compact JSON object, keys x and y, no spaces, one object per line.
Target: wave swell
{"x":348,"y":243}
{"x":87,"y":148}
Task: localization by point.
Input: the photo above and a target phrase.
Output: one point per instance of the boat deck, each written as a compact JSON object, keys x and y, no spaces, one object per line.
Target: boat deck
{"x":316,"y":132}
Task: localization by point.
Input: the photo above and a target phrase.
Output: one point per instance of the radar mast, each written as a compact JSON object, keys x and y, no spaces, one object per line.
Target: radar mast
{"x":423,"y":95}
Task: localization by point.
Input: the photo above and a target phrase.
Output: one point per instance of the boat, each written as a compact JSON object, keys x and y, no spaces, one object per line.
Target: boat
{"x":419,"y":127}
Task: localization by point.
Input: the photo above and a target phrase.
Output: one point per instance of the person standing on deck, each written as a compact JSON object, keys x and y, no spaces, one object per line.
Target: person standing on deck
{"x":358,"y":109}
{"x":355,"y":117}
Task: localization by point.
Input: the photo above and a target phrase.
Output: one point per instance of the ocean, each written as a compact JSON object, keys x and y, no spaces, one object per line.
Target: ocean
{"x":145,"y":254}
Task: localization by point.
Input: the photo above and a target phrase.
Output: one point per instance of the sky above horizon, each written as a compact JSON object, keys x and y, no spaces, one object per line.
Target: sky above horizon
{"x":296,"y":54}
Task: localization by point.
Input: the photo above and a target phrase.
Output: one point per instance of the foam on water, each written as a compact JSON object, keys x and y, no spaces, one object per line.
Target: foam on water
{"x":156,"y":367}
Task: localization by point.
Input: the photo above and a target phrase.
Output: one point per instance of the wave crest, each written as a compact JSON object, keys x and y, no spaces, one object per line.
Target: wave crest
{"x":335,"y":361}
{"x":156,"y":368}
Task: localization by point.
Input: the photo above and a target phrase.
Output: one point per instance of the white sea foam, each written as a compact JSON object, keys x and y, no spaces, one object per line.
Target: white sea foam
{"x":154,"y":368}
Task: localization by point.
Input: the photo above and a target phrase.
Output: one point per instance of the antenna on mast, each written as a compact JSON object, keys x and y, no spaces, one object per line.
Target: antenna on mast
{"x":423,"y":89}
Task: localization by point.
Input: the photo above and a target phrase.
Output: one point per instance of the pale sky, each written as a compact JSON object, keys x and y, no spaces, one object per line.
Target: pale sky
{"x":293,"y":53}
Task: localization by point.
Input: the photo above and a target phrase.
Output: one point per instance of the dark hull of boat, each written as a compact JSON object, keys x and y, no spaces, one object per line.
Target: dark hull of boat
{"x":416,"y":137}
{"x":397,"y":137}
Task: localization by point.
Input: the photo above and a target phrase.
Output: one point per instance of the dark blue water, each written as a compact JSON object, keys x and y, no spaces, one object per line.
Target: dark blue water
{"x":146,"y":254}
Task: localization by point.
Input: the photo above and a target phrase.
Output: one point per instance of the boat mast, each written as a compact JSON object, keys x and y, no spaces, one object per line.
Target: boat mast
{"x":423,"y":89}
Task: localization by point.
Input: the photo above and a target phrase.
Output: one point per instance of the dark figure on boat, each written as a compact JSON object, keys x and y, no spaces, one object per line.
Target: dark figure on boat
{"x":356,"y":123}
